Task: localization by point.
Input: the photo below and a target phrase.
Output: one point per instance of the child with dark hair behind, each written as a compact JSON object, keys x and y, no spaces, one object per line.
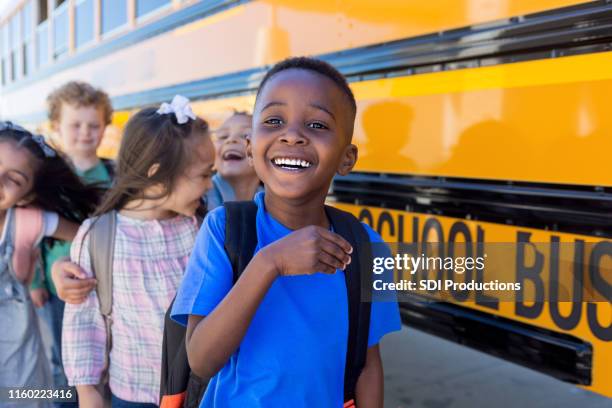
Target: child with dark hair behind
{"x":35,"y":176}
{"x":235,"y":179}
{"x":277,"y":336}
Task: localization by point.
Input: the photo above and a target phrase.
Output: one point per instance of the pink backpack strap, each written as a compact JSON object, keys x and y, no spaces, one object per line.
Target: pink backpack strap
{"x":28,"y":233}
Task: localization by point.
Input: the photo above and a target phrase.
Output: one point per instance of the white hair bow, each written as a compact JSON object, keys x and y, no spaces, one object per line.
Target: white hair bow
{"x":180,"y":107}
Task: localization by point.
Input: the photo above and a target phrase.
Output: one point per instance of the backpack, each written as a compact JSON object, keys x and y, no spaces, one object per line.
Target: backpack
{"x":28,"y":233}
{"x":101,"y":251}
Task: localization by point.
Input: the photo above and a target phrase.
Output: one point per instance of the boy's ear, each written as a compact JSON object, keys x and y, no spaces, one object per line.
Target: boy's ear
{"x":348,"y":160}
{"x":152,"y":170}
{"x":249,"y":150}
{"x":55,"y":125}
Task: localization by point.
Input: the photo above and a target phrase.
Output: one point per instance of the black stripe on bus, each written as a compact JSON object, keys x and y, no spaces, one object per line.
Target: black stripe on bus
{"x":586,"y":28}
{"x":572,"y":209}
{"x":559,"y":355}
{"x":582,"y":29}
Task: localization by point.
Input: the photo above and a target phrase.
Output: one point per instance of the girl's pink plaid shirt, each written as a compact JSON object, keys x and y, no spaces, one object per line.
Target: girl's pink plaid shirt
{"x":149,"y":261}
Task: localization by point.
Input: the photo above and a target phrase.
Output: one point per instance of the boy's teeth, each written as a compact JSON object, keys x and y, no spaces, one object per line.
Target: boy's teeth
{"x":292,"y":162}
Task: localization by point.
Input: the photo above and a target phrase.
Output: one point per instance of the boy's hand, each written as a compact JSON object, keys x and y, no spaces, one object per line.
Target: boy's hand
{"x":71,"y":282}
{"x":39,"y":296}
{"x":309,"y":250}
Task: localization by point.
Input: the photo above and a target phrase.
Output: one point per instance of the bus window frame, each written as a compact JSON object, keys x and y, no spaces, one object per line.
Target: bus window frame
{"x":58,"y":11}
{"x":123,"y":28}
{"x":40,"y":27}
{"x":147,"y":17}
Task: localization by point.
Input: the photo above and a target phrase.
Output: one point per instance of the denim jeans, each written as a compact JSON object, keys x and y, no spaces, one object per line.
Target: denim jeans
{"x":51,"y":316}
{"x":119,"y":403}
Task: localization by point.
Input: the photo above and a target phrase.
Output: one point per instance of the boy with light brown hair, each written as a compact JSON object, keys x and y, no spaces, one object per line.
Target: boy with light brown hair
{"x":79,"y":114}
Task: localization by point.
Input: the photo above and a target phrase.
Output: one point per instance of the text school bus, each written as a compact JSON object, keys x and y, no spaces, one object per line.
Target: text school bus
{"x":478,"y":122}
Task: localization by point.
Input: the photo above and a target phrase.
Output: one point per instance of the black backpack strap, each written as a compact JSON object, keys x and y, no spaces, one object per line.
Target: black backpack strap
{"x":240,"y":234}
{"x":357,"y":278}
{"x":240,"y":242}
{"x":109,"y":165}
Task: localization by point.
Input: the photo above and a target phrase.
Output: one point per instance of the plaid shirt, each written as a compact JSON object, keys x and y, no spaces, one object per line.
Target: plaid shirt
{"x":149,"y":262}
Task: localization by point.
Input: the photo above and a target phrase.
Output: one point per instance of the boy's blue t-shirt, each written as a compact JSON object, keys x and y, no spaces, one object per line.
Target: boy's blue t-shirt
{"x":294,"y":351}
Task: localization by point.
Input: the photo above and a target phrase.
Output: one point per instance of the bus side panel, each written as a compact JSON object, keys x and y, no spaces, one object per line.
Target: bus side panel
{"x":255,"y":34}
{"x":542,"y":121}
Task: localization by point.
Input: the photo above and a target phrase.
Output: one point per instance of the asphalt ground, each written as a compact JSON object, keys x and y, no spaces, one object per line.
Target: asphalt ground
{"x":425,"y":371}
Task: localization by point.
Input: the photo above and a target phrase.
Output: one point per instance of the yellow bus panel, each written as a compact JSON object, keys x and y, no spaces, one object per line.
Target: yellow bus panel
{"x":347,"y":24}
{"x":543,"y":121}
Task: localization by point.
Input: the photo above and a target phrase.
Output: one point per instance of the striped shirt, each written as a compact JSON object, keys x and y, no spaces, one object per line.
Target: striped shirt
{"x":149,"y":261}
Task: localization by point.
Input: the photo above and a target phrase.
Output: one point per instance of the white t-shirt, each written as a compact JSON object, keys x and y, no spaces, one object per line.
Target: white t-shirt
{"x":51,"y":222}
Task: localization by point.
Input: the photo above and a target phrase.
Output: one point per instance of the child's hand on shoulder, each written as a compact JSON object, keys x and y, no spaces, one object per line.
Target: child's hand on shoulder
{"x":309,"y":250}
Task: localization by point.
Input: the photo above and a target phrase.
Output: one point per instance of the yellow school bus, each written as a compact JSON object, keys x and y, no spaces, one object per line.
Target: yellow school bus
{"x":478,"y":122}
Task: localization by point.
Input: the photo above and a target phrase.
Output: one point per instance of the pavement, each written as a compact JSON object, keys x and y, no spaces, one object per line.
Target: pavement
{"x":422,"y":370}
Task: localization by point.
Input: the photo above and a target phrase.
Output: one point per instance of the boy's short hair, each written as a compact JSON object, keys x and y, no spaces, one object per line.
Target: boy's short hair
{"x":315,"y":65}
{"x":79,"y":94}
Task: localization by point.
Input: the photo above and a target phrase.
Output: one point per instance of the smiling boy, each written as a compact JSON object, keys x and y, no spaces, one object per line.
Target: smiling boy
{"x":235,"y":179}
{"x":79,"y":114}
{"x":278,"y":336}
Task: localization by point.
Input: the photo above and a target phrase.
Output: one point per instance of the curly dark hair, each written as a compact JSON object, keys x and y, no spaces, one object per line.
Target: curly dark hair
{"x":56,"y":186}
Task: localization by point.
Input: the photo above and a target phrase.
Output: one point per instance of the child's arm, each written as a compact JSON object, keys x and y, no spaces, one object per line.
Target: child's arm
{"x":38,"y":290}
{"x":370,"y":385}
{"x":39,"y":296}
{"x":83,"y":328}
{"x":66,"y":230}
{"x":89,"y":396}
{"x":211,"y":340}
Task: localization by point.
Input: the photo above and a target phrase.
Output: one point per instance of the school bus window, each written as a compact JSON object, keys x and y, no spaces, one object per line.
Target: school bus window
{"x":144,"y":7}
{"x":83,"y":22}
{"x":114,"y":14}
{"x":60,"y":29}
{"x":4,"y":53}
{"x":15,"y":34}
{"x":42,"y":11}
{"x":28,"y":46}
{"x":42,"y":34}
{"x":42,"y":42}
